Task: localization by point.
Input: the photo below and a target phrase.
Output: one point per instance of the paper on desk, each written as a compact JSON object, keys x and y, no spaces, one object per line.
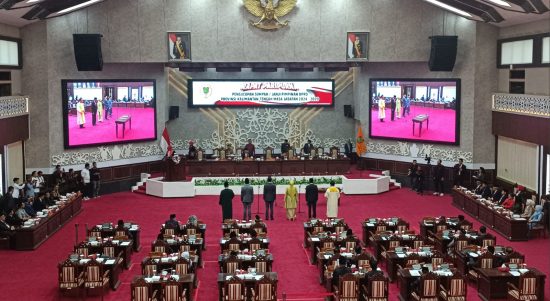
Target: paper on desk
{"x":515,"y":273}
{"x":327,"y":256}
{"x":401,"y":255}
{"x":519,"y":219}
{"x":83,"y":261}
{"x":414,"y":273}
{"x":315,"y":239}
{"x":110,"y":261}
{"x":370,"y":224}
{"x":155,"y":278}
{"x":125,"y":243}
{"x":100,"y":259}
{"x":258,"y":277}
{"x":523,"y":270}
{"x":472,"y":254}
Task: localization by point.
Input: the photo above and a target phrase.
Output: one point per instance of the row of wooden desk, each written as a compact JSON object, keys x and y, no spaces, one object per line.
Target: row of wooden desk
{"x":275,"y":167}
{"x":32,"y":237}
{"x":511,"y":229}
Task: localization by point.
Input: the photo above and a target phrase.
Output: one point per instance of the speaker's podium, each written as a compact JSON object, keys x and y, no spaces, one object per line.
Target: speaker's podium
{"x":174,"y":169}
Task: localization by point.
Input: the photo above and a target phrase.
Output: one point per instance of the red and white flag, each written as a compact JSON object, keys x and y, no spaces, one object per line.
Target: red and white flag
{"x":351,"y":39}
{"x":165,"y":143}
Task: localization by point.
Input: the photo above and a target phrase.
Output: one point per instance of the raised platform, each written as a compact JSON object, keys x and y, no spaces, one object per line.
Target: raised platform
{"x":370,"y":184}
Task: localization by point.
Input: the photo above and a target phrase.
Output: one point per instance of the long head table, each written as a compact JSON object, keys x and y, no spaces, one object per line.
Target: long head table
{"x":511,"y":228}
{"x":32,"y":237}
{"x":276,"y":167}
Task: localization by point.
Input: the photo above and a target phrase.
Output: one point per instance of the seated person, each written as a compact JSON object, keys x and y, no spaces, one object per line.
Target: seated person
{"x":482,"y":233}
{"x":415,"y":285}
{"x":485,"y":190}
{"x":38,"y":204}
{"x":358,"y":250}
{"x":120,"y":224}
{"x":473,"y":261}
{"x":49,"y":199}
{"x":456,"y":236}
{"x":6,"y":230}
{"x":193,"y":220}
{"x":509,"y":202}
{"x":250,"y":149}
{"x":12,"y":219}
{"x":503,"y":197}
{"x":536,"y":217}
{"x":496,"y":194}
{"x":529,"y":208}
{"x":257,"y":219}
{"x":232,"y":235}
{"x":478,"y":188}
{"x":340,"y":271}
{"x":29,"y":207}
{"x":253,"y":233}
{"x":21,"y":213}
{"x":374,"y":269}
{"x":285,"y":147}
{"x":192,"y":153}
{"x":172,"y":223}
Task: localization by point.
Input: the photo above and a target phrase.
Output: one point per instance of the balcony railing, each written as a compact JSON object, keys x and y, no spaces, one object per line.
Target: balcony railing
{"x":11,"y":106}
{"x":533,"y":105}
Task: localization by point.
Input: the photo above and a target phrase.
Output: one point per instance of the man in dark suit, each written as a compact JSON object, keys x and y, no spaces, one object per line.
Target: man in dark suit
{"x":392,"y":106}
{"x":496,"y":194}
{"x":348,"y":148}
{"x":172,"y":223}
{"x":312,"y":195}
{"x":270,"y":191}
{"x":308,"y":147}
{"x":459,"y":172}
{"x":412,"y":174}
{"x":247,"y":197}
{"x":374,"y":269}
{"x":485,"y":190}
{"x":94,"y":111}
{"x":439,"y":178}
{"x":340,"y":271}
{"x":285,"y":147}
{"x":8,"y":202}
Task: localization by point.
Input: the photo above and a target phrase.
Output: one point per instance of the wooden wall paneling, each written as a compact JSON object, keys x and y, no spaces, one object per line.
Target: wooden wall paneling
{"x":14,"y":129}
{"x":386,"y":165}
{"x":155,"y":167}
{"x":522,"y":127}
{"x":106,"y":174}
{"x":137,"y":169}
{"x":122,"y":172}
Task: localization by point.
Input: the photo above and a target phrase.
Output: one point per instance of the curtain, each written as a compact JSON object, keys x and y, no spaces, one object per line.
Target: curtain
{"x":517,"y":162}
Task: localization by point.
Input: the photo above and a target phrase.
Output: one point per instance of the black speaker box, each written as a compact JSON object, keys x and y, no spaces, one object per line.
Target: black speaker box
{"x":348,"y":111}
{"x":443,"y":53}
{"x":174,"y":112}
{"x":87,"y":52}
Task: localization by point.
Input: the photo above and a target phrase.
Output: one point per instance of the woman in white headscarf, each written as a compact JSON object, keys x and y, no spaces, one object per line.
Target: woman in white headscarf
{"x":529,"y":209}
{"x":536,"y":217}
{"x":332,"y":194}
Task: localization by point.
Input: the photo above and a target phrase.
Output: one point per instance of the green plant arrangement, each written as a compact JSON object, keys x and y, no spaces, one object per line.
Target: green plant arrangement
{"x":262,"y":181}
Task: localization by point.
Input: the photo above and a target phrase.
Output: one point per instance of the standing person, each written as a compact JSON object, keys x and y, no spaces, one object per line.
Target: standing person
{"x":108,"y":102}
{"x":85,"y":174}
{"x":270,"y":191}
{"x":226,"y":201}
{"x":412,"y":174}
{"x":398,"y":106}
{"x":419,"y":180}
{"x":81,"y":113}
{"x":312,"y":195}
{"x":94,"y":111}
{"x":250,"y":148}
{"x":307,"y":148}
{"x":9,"y":202}
{"x":285,"y":147}
{"x":95,"y":176}
{"x":348,"y":148}
{"x":333,"y":195}
{"x":291,"y":195}
{"x":393,"y":105}
{"x":40,"y":182}
{"x":439,"y":178}
{"x":29,"y":188}
{"x":459,"y":171}
{"x":247,"y":197}
{"x":18,"y":189}
{"x":192,"y":152}
{"x":381,"y":108}
{"x":100,"y":111}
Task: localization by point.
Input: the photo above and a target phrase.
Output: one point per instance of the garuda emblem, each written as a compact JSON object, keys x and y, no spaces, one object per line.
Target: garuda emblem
{"x":269,"y":12}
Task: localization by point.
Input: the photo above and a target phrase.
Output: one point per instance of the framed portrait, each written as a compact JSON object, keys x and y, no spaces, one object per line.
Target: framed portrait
{"x":357,"y":46}
{"x":179,"y":45}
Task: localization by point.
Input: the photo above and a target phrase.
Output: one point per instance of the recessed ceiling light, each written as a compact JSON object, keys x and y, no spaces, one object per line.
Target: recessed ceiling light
{"x":81,"y":5}
{"x":500,"y":2}
{"x":451,"y":8}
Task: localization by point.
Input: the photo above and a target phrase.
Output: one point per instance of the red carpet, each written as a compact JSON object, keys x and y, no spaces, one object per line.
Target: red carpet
{"x":143,"y":127}
{"x":33,"y":275}
{"x":441,"y":128}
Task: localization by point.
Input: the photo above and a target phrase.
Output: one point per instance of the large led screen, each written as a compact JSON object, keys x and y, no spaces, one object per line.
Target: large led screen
{"x":101,"y":112}
{"x":424,"y":110}
{"x":241,"y":93}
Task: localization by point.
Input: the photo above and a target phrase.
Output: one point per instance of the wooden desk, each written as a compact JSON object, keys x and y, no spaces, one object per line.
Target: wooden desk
{"x":420,"y":120}
{"x":429,"y":226}
{"x":380,"y":241}
{"x":394,"y":260}
{"x":122,"y":120}
{"x":264,"y":168}
{"x":328,"y":226}
{"x":32,"y":237}
{"x":241,"y":227}
{"x":126,"y":249}
{"x":133,"y":229}
{"x":511,"y":229}
{"x":244,"y":243}
{"x":247,"y":261}
{"x":187,"y":281}
{"x":173,"y":246}
{"x":249,"y":283}
{"x":492,"y":283}
{"x":114,"y":271}
{"x":369,"y":226}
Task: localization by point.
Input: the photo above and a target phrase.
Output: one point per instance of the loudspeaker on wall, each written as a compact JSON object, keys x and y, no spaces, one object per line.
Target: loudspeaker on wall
{"x":174,"y":112}
{"x":87,"y":52}
{"x":443,"y":53}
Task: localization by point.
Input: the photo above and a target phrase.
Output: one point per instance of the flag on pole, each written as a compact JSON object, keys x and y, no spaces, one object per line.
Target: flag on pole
{"x":165,"y":143}
{"x":361,"y":147}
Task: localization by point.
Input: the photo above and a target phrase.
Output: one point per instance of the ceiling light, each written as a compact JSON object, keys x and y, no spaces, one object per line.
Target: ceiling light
{"x":78,"y":6}
{"x":500,"y":2}
{"x":448,"y":7}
